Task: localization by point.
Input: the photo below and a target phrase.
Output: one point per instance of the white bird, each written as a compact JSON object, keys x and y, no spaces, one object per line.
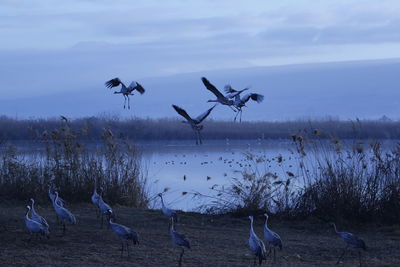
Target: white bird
{"x":62,"y":213}
{"x":52,"y":197}
{"x":125,"y":234}
{"x":34,"y":227}
{"x":256,"y":245}
{"x":351,"y":241}
{"x":95,"y":198}
{"x":125,"y":91}
{"x":105,"y":209}
{"x":271,"y":237}
{"x":179,"y":239}
{"x":194,"y":123}
{"x":36,"y":217}
{"x":167,"y":212}
{"x":220,"y":97}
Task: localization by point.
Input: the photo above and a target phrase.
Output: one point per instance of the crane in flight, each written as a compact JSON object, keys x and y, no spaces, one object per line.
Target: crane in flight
{"x":125,"y":91}
{"x":194,"y":123}
{"x":220,"y":97}
{"x":240,"y":102}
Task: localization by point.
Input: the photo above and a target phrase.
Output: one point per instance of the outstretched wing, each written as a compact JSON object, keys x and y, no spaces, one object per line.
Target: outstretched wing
{"x":255,"y":97}
{"x":182,"y":112}
{"x":212,"y":88}
{"x":136,"y":86}
{"x":113,"y":83}
{"x":204,"y":115}
{"x":228,"y":89}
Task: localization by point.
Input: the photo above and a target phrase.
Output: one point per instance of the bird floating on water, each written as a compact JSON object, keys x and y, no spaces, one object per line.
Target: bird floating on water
{"x":351,"y":241}
{"x":256,"y":245}
{"x":125,"y":91}
{"x":194,"y":123}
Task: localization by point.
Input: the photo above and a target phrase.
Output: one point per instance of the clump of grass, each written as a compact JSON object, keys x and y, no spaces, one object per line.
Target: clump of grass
{"x":74,"y":169}
{"x":253,"y":191}
{"x":353,"y":184}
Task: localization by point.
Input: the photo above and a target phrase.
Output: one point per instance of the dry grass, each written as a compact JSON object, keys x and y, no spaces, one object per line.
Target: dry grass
{"x":216,"y":241}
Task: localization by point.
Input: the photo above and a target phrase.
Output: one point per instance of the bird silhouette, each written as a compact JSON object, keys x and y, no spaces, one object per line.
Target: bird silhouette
{"x":256,"y":245}
{"x":271,"y":237}
{"x":125,"y":91}
{"x":34,"y":227}
{"x":168,"y":212}
{"x":179,"y":239}
{"x":62,"y":213}
{"x":125,"y":234}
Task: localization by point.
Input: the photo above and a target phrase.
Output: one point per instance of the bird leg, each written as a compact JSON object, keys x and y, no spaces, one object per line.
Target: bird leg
{"x":254,"y":264}
{"x":124,"y":100}
{"x":180,"y":257}
{"x":64,"y":228}
{"x":359,"y":257}
{"x":274,"y":255}
{"x":240,"y":115}
{"x":101,"y":225}
{"x":127,"y":248}
{"x":200,"y":137}
{"x":129,"y":102}
{"x":122,"y":249}
{"x":341,"y":256}
{"x":232,"y":108}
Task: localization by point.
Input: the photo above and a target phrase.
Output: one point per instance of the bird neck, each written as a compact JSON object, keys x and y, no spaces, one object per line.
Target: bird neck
{"x":251,"y":226}
{"x":33,"y":206}
{"x":334,"y":227}
{"x":162,"y":202}
{"x":266,"y":223}
{"x":27,"y":214}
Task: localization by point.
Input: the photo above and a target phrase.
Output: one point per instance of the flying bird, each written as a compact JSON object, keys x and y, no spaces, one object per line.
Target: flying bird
{"x":239,"y":102}
{"x":272,"y":238}
{"x":220,"y":97}
{"x":125,"y":91}
{"x":256,"y":245}
{"x":194,"y":123}
{"x":179,"y":239}
{"x":351,"y":241}
{"x":125,"y":234}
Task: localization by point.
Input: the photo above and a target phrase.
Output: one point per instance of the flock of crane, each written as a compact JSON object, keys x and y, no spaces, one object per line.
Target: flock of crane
{"x":37,"y":225}
{"x":231,"y":99}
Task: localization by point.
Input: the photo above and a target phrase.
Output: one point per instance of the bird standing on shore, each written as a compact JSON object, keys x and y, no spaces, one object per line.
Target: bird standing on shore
{"x":168,"y":212}
{"x":125,"y":234}
{"x":351,"y":241}
{"x":95,"y":199}
{"x":36,"y":217}
{"x":256,"y":245}
{"x":34,"y":227}
{"x":125,"y":91}
{"x":179,"y":239}
{"x":194,"y":123}
{"x":105,"y":209}
{"x":271,"y":237}
{"x":62,"y":213}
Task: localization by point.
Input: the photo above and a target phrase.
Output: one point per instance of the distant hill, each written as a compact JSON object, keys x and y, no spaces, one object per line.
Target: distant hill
{"x":363,"y":89}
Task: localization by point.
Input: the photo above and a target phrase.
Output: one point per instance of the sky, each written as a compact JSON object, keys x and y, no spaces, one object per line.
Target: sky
{"x":50,"y":46}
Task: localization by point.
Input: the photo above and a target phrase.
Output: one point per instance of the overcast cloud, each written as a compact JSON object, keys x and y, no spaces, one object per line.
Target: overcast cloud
{"x":67,"y":45}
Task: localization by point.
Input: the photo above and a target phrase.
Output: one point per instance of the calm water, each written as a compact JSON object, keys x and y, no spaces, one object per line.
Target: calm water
{"x":215,"y":162}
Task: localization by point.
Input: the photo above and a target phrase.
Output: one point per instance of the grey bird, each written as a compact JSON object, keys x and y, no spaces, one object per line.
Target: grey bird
{"x":179,"y":239}
{"x":273,"y":239}
{"x":220,"y":97}
{"x":36,"y":217}
{"x":168,"y":212}
{"x":105,"y":209}
{"x":63,"y":214}
{"x":125,"y":91}
{"x":34,"y":227}
{"x":125,"y":234}
{"x":194,"y":123}
{"x":351,"y":241}
{"x":256,"y":245}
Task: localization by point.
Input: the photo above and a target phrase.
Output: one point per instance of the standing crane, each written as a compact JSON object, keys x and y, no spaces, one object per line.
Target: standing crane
{"x":168,"y":212}
{"x":351,"y":241}
{"x":272,"y":238}
{"x":125,"y":91}
{"x":105,"y":209}
{"x":194,"y":123}
{"x":34,"y":227}
{"x":62,"y":213}
{"x":220,"y":97}
{"x":125,"y":234}
{"x":36,"y":217}
{"x":95,"y":199}
{"x":256,"y":245}
{"x":179,"y":239}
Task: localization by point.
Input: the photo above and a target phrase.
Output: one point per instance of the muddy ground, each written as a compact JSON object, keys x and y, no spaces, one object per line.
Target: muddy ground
{"x":215,"y":240}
